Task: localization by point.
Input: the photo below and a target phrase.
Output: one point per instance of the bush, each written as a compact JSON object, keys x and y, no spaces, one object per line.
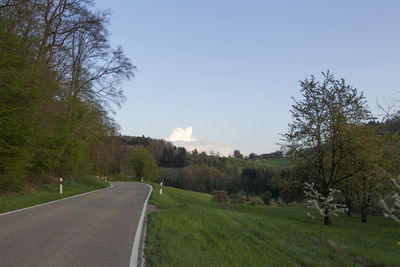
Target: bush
{"x":266,"y":197}
{"x":277,"y":202}
{"x":143,"y":164}
{"x":237,"y":198}
{"x":256,"y":201}
{"x":221,"y":197}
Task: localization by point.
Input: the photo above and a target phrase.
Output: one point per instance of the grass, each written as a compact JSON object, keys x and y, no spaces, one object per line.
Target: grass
{"x":191,"y":230}
{"x":257,"y":163}
{"x":49,"y":192}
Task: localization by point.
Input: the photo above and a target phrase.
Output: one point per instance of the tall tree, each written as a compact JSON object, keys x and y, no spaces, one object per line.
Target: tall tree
{"x":320,"y":136}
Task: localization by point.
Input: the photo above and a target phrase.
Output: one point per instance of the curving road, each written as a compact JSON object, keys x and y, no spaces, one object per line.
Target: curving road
{"x":95,"y":229}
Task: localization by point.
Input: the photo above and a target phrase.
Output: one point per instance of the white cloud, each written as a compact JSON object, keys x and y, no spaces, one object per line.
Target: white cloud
{"x":180,"y":134}
{"x":184,"y":138}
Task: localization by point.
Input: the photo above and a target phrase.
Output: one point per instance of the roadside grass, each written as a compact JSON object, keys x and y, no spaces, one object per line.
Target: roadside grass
{"x":49,"y":192}
{"x":192,"y":230}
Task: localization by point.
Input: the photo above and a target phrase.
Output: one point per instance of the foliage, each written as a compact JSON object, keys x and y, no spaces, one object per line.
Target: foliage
{"x":321,"y":136}
{"x":323,"y":204}
{"x":59,"y":78}
{"x":266,"y":197}
{"x":237,"y":198}
{"x":391,"y":206}
{"x":221,"y":196}
{"x":143,"y":164}
{"x":277,"y":202}
{"x":237,"y":154}
{"x":256,"y":201}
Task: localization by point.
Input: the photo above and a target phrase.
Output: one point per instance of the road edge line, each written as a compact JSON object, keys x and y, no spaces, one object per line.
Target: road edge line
{"x":136,"y":242}
{"x":54,"y":201}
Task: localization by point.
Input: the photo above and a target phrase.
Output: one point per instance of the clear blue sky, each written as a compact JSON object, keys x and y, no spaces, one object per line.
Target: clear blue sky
{"x":229,"y":68}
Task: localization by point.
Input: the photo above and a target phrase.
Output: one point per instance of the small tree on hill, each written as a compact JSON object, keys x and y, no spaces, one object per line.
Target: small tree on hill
{"x":324,"y":205}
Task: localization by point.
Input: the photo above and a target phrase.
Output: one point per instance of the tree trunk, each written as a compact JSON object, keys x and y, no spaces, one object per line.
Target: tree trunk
{"x":349,"y":206}
{"x":327,"y":220}
{"x":363,"y":215}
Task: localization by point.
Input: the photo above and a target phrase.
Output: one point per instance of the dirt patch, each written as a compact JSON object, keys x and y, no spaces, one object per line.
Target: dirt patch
{"x":341,"y":250}
{"x":152,"y":208}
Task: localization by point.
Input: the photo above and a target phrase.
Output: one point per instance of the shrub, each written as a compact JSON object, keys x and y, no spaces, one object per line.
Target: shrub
{"x":256,"y":201}
{"x":277,"y":202}
{"x":266,"y":197}
{"x":237,"y":198}
{"x":221,"y":196}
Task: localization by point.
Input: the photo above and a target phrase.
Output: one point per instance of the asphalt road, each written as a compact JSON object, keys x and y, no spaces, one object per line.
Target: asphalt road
{"x":96,"y":229}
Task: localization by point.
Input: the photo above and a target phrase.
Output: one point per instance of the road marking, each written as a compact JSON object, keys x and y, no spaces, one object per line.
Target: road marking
{"x":54,"y":201}
{"x":136,"y":242}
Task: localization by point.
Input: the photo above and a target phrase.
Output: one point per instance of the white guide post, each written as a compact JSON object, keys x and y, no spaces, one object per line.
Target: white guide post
{"x":61,"y":185}
{"x":142,"y":179}
{"x":161,"y":188}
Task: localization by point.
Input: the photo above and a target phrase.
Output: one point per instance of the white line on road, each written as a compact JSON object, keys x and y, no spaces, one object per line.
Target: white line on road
{"x":136,"y":242}
{"x":54,"y":201}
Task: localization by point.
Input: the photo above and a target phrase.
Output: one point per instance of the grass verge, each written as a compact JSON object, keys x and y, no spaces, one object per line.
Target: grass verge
{"x":194,"y":231}
{"x":49,"y":192}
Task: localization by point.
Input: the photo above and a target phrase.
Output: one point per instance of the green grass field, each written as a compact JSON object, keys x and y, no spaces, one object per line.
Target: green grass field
{"x":192,"y":230}
{"x":49,"y":192}
{"x":257,"y":163}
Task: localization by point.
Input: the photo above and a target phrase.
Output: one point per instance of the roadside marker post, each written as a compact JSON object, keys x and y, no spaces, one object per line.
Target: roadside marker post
{"x":61,"y":180}
{"x":142,"y":179}
{"x":161,"y":188}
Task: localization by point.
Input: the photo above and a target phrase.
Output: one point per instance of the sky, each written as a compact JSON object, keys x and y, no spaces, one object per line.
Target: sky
{"x":220,"y":75}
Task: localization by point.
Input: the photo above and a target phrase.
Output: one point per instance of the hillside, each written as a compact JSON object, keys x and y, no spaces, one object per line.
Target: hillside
{"x":192,"y":230}
{"x":257,"y":163}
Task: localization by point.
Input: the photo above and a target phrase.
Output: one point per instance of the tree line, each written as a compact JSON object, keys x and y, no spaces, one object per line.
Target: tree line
{"x":59,"y":79}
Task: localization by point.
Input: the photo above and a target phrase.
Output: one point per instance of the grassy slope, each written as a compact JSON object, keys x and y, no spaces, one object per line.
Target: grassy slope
{"x":48,"y":193}
{"x":193,"y":231}
{"x":250,"y":163}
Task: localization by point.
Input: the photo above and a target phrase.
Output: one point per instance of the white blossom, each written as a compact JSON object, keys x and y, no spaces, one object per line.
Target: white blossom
{"x":391,"y":207}
{"x":324,"y":205}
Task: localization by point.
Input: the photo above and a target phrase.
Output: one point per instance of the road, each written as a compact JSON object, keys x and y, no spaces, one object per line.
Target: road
{"x":96,"y":229}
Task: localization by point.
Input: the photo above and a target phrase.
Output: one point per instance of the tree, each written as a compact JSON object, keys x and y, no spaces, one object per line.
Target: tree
{"x":143,"y":164}
{"x":237,"y":154}
{"x":320,"y":136}
{"x":323,"y":204}
{"x":365,"y":188}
